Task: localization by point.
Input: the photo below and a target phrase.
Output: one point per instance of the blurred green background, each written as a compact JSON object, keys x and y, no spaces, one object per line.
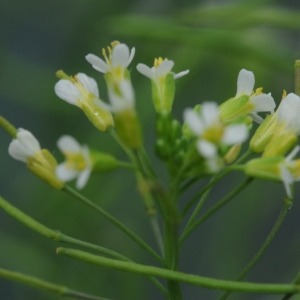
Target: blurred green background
{"x":214,"y":40}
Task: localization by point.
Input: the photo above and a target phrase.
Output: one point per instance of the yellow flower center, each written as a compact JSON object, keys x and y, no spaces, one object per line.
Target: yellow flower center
{"x":75,"y":161}
{"x":214,"y":133}
{"x":158,"y":61}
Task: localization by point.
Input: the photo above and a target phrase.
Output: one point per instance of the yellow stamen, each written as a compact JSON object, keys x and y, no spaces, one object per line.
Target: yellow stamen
{"x":258,"y":91}
{"x":284,"y":94}
{"x":115,"y":43}
{"x":75,"y":161}
{"x":158,"y":61}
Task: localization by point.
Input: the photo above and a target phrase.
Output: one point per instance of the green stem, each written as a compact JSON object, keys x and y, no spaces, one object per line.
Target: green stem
{"x":180,"y":276}
{"x":113,"y":220}
{"x":297,"y":77}
{"x":45,"y":285}
{"x":8,"y":127}
{"x":146,"y":159}
{"x":188,"y":230}
{"x":60,"y":237}
{"x":295,"y":281}
{"x":127,"y":165}
{"x":112,"y":132}
{"x":172,"y":257}
{"x":214,"y":180}
{"x":286,"y":206}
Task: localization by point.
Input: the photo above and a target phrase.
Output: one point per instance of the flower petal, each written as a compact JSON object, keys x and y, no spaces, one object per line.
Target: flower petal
{"x":66,"y":90}
{"x":180,"y":74}
{"x":287,"y":179}
{"x":97,"y":63}
{"x":193,"y":121}
{"x":120,"y":56}
{"x":209,"y":113}
{"x":67,"y":143}
{"x":207,"y":149}
{"x":245,"y":83}
{"x":145,"y":70}
{"x":164,"y":68}
{"x":256,"y":118}
{"x":89,"y":84}
{"x":292,"y":154}
{"x":263,"y":102}
{"x":83,"y":177}
{"x":130,"y":57}
{"x":235,"y":134}
{"x":64,"y":173}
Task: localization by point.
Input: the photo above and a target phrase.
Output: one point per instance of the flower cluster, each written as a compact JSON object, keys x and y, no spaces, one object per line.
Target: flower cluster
{"x":210,"y":137}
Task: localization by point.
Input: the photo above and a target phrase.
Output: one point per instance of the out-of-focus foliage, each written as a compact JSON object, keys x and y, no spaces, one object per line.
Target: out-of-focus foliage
{"x":214,"y":41}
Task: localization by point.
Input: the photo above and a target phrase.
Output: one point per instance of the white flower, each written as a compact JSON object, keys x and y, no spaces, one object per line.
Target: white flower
{"x":289,"y":171}
{"x":83,"y":92}
{"x":258,"y":101}
{"x":289,"y":112}
{"x":163,"y":83}
{"x":78,"y":163}
{"x":211,"y":132}
{"x":24,"y":146}
{"x":160,"y":69}
{"x":116,"y":62}
{"x":78,"y":90}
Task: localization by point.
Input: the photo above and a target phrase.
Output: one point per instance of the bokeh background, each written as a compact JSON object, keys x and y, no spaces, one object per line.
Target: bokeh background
{"x":214,"y":39}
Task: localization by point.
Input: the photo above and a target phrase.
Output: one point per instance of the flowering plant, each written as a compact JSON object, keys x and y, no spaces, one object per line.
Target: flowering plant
{"x":206,"y":144}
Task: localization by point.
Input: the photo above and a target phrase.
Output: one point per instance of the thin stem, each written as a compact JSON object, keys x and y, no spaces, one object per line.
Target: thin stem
{"x":214,"y":180}
{"x":188,"y":230}
{"x":295,"y":281}
{"x":127,"y":165}
{"x":180,"y":276}
{"x":172,"y":257}
{"x":146,"y":159}
{"x":286,"y":206}
{"x":297,"y":77}
{"x":45,"y":285}
{"x":113,"y":220}
{"x":10,"y":129}
{"x":111,"y":131}
{"x":60,"y":237}
{"x":188,"y":184}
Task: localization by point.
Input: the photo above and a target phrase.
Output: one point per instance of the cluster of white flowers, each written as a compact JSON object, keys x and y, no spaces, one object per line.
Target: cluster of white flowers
{"x":215,"y":129}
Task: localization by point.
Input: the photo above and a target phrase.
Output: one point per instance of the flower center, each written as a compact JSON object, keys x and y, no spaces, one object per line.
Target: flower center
{"x":75,"y":161}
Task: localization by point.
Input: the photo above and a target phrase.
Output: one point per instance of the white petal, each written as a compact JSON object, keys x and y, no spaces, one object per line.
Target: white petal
{"x":66,"y":90}
{"x":86,"y":155}
{"x":97,"y":63}
{"x":64,"y":173}
{"x":180,"y":74}
{"x":287,"y":179}
{"x":209,"y":113}
{"x":89,"y":84}
{"x":245,"y":83}
{"x":67,"y":143}
{"x":145,"y":70}
{"x":256,"y":118}
{"x":193,"y":121}
{"x":289,"y":111}
{"x":130,"y":57}
{"x":235,"y":134}
{"x":263,"y":102}
{"x":207,"y":149}
{"x":28,"y":140}
{"x":120,"y":55}
{"x":83,"y":177}
{"x":16,"y":150}
{"x":164,"y":68}
{"x":292,"y":154}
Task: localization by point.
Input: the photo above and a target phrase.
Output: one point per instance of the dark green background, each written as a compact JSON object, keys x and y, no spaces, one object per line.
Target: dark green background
{"x":37,"y":38}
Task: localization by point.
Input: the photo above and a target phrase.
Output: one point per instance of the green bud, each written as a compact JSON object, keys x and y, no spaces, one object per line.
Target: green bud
{"x":232,"y":153}
{"x":102,"y":119}
{"x":265,"y":168}
{"x":163,"y":93}
{"x":103,"y":162}
{"x":234,"y":107}
{"x":44,"y":168}
{"x":263,"y":134}
{"x":128,"y":128}
{"x":281,"y":143}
